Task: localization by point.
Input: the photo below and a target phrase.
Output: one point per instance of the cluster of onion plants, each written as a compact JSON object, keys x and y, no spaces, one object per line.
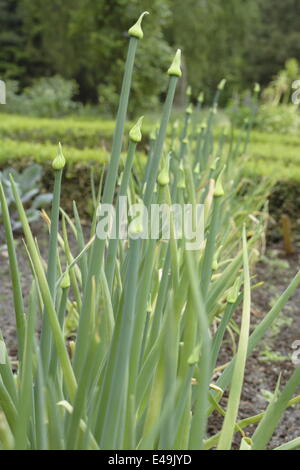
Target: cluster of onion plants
{"x":127,"y":353}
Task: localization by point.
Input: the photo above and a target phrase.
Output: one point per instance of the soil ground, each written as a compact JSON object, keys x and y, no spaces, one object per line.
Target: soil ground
{"x":273,"y":356}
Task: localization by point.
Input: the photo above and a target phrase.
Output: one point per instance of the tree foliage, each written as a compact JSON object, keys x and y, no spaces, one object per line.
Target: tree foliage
{"x":214,"y":36}
{"x":275,"y":39}
{"x":12,"y":54}
{"x":242,"y":40}
{"x":85,"y":40}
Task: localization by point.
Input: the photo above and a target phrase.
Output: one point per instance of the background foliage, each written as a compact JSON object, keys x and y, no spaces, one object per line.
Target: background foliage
{"x":242,"y":40}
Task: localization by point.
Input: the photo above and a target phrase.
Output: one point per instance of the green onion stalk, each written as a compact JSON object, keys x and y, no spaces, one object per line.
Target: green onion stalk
{"x":96,"y":259}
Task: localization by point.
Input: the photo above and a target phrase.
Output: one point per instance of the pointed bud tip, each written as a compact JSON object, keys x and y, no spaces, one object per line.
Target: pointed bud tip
{"x":213,"y":165}
{"x":188,"y":91}
{"x":189,"y":109}
{"x":219,"y":190}
{"x":59,"y":161}
{"x":136,"y":30}
{"x":222,"y":84}
{"x":65,"y":283}
{"x":153,"y":134}
{"x":175,"y":69}
{"x":197,"y":169}
{"x":163,"y":177}
{"x":257,"y":88}
{"x":135,"y":133}
{"x":200,"y":97}
{"x":233,"y":292}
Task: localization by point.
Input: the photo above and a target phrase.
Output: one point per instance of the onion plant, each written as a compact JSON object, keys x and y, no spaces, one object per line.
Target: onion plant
{"x":139,"y":368}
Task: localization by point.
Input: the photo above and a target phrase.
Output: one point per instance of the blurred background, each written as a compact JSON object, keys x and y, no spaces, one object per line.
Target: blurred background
{"x":59,"y":57}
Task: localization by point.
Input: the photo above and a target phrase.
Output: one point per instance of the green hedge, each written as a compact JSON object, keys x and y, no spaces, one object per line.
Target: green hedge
{"x":12,"y":150}
{"x":83,"y":133}
{"x":275,"y":159}
{"x":69,"y":131}
{"x":20,"y":154}
{"x":275,"y":139}
{"x":273,"y":155}
{"x":273,"y":169}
